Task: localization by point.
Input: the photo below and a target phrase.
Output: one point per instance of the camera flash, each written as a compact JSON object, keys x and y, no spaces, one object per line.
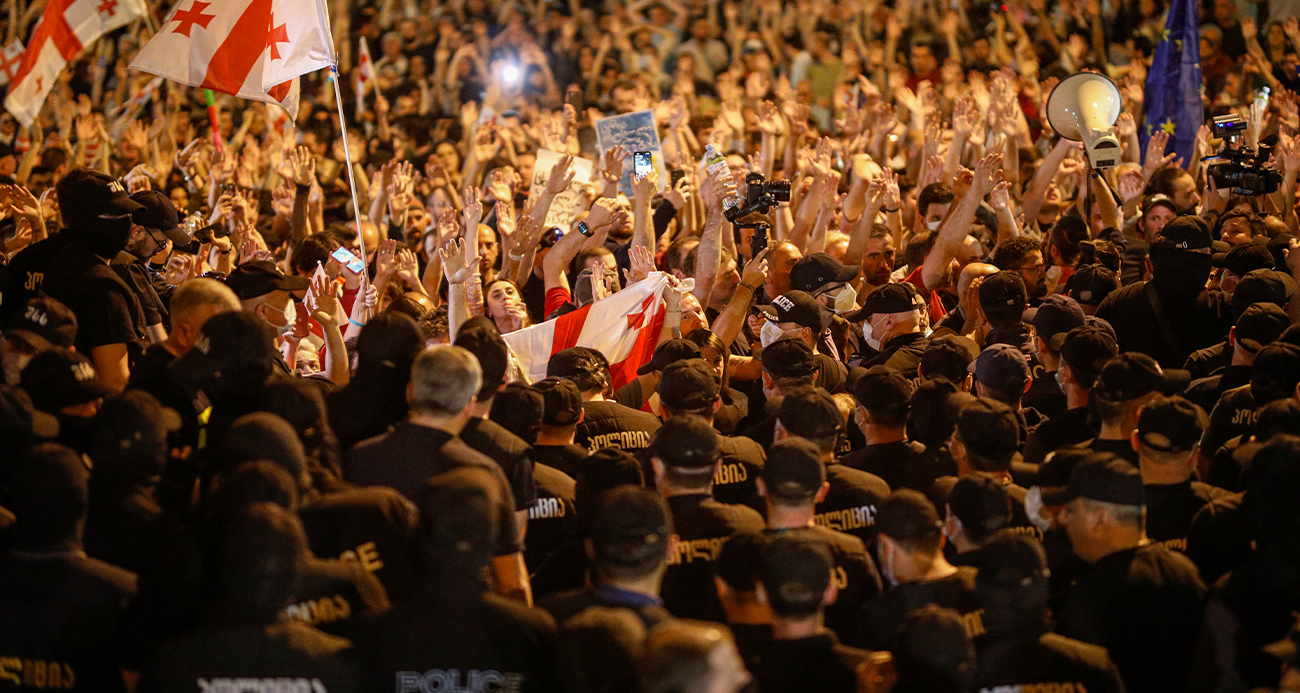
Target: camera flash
{"x":510,"y":74}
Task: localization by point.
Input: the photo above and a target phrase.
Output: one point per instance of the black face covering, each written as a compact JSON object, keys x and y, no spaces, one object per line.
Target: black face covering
{"x":1179,"y":273}
{"x":107,"y":236}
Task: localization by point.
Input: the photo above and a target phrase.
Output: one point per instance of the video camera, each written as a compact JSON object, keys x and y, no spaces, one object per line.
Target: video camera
{"x":761,"y":195}
{"x":1243,"y":169}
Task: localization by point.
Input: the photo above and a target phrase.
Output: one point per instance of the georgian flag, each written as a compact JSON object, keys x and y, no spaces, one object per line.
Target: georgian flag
{"x":624,"y":327}
{"x":365,"y":75}
{"x":253,"y":49}
{"x":11,"y":58}
{"x":65,"y":29}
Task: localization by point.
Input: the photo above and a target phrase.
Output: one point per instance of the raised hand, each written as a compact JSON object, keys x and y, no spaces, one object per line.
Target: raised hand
{"x":385,"y":259}
{"x":505,"y":220}
{"x":1131,"y":186}
{"x":999,"y":198}
{"x":642,"y":263}
{"x":987,"y":174}
{"x":457,"y":267}
{"x":324,"y":304}
{"x":613,"y":163}
{"x":471,"y":207}
{"x":302,"y":165}
{"x":561,"y":176}
{"x":1155,"y":155}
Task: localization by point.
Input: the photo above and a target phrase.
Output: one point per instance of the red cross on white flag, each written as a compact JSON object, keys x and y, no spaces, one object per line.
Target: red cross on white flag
{"x":254,"y":49}
{"x":65,"y":29}
{"x":10,"y":59}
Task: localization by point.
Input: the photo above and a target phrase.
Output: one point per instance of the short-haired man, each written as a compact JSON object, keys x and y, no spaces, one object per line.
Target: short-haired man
{"x":604,"y":422}
{"x":1084,"y":351}
{"x":689,"y":657}
{"x":1051,"y":320}
{"x":1140,"y":601}
{"x":883,"y":402}
{"x":910,"y":552}
{"x":444,"y":383}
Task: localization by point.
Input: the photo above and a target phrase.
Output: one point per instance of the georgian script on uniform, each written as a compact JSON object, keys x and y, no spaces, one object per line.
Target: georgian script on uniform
{"x":454,"y":681}
{"x":281,"y":684}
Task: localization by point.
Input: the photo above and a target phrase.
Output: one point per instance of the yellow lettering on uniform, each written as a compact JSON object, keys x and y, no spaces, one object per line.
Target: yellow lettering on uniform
{"x":369,"y":556}
{"x":10,"y":667}
{"x":841,"y":577}
{"x":69,"y":678}
{"x":343,"y":607}
{"x":974,"y":622}
{"x":54,"y":675}
{"x":38,"y":674}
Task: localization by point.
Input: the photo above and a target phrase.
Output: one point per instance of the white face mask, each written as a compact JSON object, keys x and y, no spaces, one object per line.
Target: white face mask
{"x":769,"y":334}
{"x":1034,"y":508}
{"x":867,"y":328}
{"x":846,"y":300}
{"x":933,"y":225}
{"x":290,"y":319}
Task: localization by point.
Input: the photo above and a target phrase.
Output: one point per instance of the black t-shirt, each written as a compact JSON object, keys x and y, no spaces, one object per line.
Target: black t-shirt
{"x":372,"y":526}
{"x":138,"y":276}
{"x":819,"y":663}
{"x":1198,"y":322}
{"x":901,"y":354}
{"x":1069,"y":428}
{"x":107,"y":309}
{"x":1204,"y":362}
{"x":1233,"y":416}
{"x":850,"y":504}
{"x":288,"y":655}
{"x":630,"y":395}
{"x":609,"y":424}
{"x":1123,"y":448}
{"x":1045,"y":395}
{"x":408,"y":456}
{"x":1172,"y":507}
{"x":1205,"y":392}
{"x":855,"y":574}
{"x":1144,"y":606}
{"x":61,"y":622}
{"x":566,"y":605}
{"x":151,"y":373}
{"x":1220,"y":538}
{"x":335,"y":595}
{"x":27,"y":272}
{"x":509,"y":451}
{"x":368,"y":406}
{"x":452,"y":639}
{"x":902,"y":464}
{"x":741,"y":465}
{"x":1048,"y":662}
{"x":879,"y":619}
{"x":701,"y":526}
{"x":1256,"y":603}
{"x":565,"y":458}
{"x":552,"y":522}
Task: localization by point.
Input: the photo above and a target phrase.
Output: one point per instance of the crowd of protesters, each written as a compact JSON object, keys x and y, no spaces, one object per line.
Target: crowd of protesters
{"x":977,"y":418}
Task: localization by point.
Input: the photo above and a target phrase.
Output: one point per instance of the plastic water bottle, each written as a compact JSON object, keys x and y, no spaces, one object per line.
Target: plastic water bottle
{"x":716,"y":165}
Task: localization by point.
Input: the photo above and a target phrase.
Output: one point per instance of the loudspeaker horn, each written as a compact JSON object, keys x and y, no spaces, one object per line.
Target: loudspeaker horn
{"x":1084,"y":107}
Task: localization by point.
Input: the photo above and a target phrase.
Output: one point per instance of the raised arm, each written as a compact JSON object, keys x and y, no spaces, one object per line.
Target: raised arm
{"x":957,"y":226}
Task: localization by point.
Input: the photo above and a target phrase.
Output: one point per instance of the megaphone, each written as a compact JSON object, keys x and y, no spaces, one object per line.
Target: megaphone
{"x":1084,"y":107}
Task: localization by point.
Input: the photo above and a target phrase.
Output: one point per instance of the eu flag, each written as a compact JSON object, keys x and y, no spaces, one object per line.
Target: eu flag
{"x":1174,"y":83}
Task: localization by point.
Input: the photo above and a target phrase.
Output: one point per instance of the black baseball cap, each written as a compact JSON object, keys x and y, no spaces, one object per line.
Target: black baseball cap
{"x":158,"y":212}
{"x":668,"y":352}
{"x":44,"y":323}
{"x":561,"y":401}
{"x":1091,"y":284}
{"x":947,"y":357}
{"x":1245,"y":258}
{"x":58,"y":378}
{"x":228,"y":345}
{"x":130,"y":438}
{"x":458,"y":513}
{"x":261,"y":277}
{"x":685,"y":442}
{"x":1262,"y":286}
{"x":882,"y":389}
{"x":688,"y":385}
{"x":981,"y":503}
{"x":1003,"y":289}
{"x":1260,"y":325}
{"x":788,"y":358}
{"x":907,"y":516}
{"x":798,"y":307}
{"x":890,"y":298}
{"x":630,"y":522}
{"x":1057,"y":315}
{"x":1002,"y":367}
{"x":796,"y":570}
{"x":21,"y":423}
{"x":1132,"y":375}
{"x":1101,"y":476}
{"x":1054,"y":473}
{"x":390,"y":340}
{"x":815,"y":271}
{"x":519,"y":408}
{"x":1172,"y":425}
{"x":990,"y":429}
{"x":95,"y":197}
{"x":1186,"y":233}
{"x":810,"y":412}
{"x":574,"y":362}
{"x":793,"y":472}
{"x":1274,"y":374}
{"x":1086,"y":349}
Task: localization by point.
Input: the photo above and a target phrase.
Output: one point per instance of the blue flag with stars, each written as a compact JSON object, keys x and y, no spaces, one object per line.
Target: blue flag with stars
{"x":1174,"y":83}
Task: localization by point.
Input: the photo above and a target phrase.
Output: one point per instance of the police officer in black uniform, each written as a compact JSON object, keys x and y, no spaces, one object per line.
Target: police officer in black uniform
{"x":604,"y":423}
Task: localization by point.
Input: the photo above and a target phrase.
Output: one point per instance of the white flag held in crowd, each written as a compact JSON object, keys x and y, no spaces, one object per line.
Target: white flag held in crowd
{"x":253,"y":49}
{"x":365,"y":75}
{"x":624,"y":327}
{"x":65,"y":29}
{"x":11,"y":58}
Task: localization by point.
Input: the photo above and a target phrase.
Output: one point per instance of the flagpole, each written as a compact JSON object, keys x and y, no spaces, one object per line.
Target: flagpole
{"x":352,"y":183}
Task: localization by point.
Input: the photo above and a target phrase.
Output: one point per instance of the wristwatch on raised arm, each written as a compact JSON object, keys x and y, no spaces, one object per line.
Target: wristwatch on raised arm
{"x":584,"y":229}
